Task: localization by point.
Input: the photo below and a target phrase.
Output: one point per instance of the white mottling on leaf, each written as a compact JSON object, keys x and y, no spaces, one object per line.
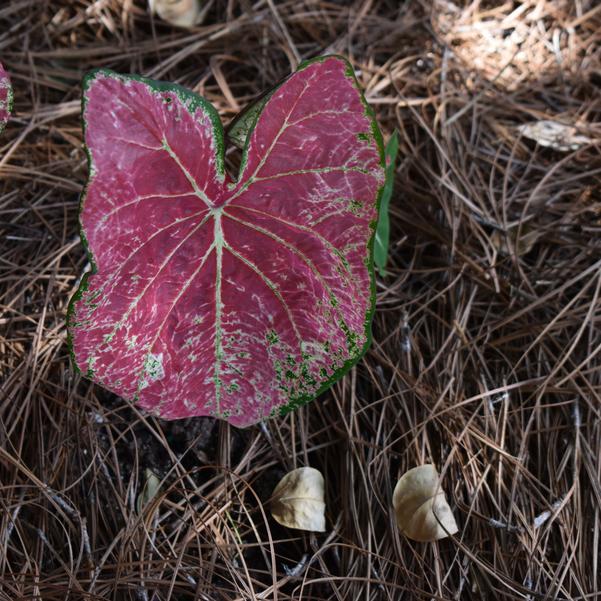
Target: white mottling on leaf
{"x":153,"y":369}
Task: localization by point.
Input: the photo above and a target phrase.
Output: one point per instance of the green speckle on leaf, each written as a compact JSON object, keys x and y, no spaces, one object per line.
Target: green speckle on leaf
{"x":308,"y":379}
{"x":153,"y":366}
{"x":351,"y":337}
{"x":354,"y":206}
{"x":91,"y":362}
{"x":272,"y":337}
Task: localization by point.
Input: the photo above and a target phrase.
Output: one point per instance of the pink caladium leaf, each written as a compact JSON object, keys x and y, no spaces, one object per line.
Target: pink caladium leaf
{"x":209,"y":295}
{"x":6,"y":98}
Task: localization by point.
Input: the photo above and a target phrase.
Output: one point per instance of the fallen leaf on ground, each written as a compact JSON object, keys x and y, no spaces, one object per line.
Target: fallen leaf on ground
{"x":420,"y":506}
{"x":506,"y":243}
{"x":151,"y":488}
{"x":298,"y":500}
{"x":181,"y":13}
{"x":552,"y":134}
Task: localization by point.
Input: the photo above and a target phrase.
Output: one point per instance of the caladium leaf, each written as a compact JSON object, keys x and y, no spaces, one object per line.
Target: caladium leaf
{"x":214,"y":296}
{"x":6,"y":98}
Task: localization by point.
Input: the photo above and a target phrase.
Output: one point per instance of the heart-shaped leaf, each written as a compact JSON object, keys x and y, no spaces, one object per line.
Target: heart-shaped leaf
{"x":212,"y":296}
{"x":6,"y":98}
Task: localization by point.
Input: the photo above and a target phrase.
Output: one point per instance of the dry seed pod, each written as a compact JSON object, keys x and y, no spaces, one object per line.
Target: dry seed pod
{"x":298,"y":500}
{"x":181,"y":13}
{"x":421,"y":510}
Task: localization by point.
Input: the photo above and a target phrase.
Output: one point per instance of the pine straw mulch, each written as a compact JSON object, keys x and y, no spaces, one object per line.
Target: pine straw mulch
{"x":486,"y":347}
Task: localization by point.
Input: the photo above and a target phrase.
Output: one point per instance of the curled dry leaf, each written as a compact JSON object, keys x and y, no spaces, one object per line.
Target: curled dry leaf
{"x":507,"y":243}
{"x":420,"y":506}
{"x":181,"y":13}
{"x":151,"y":488}
{"x":554,"y":135}
{"x":298,"y":500}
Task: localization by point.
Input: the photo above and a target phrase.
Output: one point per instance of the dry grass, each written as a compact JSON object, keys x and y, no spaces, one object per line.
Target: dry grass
{"x":485,"y":362}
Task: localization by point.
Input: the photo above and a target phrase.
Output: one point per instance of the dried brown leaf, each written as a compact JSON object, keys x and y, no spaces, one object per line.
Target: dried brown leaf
{"x":298,"y":500}
{"x":507,"y":243}
{"x":151,"y":488}
{"x":420,"y":506}
{"x":554,"y":135}
{"x":181,"y":13}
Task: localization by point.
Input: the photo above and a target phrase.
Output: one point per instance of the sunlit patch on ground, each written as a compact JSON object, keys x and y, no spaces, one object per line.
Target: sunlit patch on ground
{"x":515,"y":43}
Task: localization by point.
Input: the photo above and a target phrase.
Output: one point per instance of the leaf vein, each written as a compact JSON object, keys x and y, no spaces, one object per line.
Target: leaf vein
{"x":337,"y":252}
{"x":200,"y":193}
{"x":300,"y":254}
{"x":274,"y":288}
